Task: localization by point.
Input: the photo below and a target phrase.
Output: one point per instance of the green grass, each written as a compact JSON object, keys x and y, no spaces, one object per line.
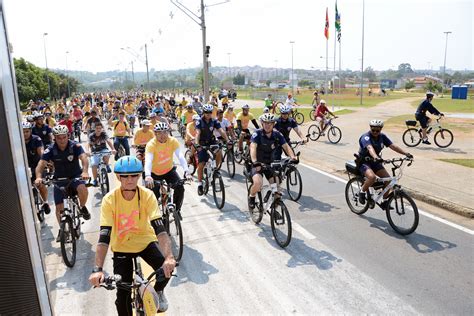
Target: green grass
{"x":344,"y":111}
{"x":446,"y":104}
{"x":463,"y":162}
{"x":460,"y":125}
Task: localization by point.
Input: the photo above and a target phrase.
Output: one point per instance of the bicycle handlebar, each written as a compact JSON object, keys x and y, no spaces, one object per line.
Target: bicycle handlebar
{"x":396,"y":162}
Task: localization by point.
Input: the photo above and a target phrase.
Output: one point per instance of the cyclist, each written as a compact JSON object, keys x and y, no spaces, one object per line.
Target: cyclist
{"x":66,"y":121}
{"x":290,"y":101}
{"x":34,"y":151}
{"x":197,"y":106}
{"x":225,"y":101}
{"x":269,"y":103}
{"x":41,"y":129}
{"x":130,"y":111}
{"x":65,"y":155}
{"x":316,"y":99}
{"x":243,"y":119}
{"x":51,"y":122}
{"x":187,"y":116}
{"x":371,"y":144}
{"x":205,"y":137}
{"x":121,"y":130}
{"x":320,"y":115}
{"x":184,"y":102}
{"x":191,"y":133}
{"x":142,"y":111}
{"x":285,"y":124}
{"x":225,"y":124}
{"x":89,"y":127}
{"x":131,"y":224}
{"x":264,"y":141}
{"x":98,"y":142}
{"x":229,"y":114}
{"x":420,"y":115}
{"x":159,"y":162}
{"x":142,"y":137}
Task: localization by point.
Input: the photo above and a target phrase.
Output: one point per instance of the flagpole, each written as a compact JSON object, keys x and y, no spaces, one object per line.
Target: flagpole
{"x":327,"y":66}
{"x":339,"y":75}
{"x":362,"y":60}
{"x":334,"y":73}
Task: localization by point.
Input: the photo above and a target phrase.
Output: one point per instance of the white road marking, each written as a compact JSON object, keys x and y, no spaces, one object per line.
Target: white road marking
{"x":424,"y":213}
{"x":306,"y":234}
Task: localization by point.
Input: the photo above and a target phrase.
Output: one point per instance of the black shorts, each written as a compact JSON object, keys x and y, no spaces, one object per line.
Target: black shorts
{"x":266,"y":172}
{"x":423,"y":119}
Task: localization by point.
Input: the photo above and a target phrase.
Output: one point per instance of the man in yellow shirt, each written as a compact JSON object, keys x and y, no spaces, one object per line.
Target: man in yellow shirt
{"x":187,"y":116}
{"x":121,"y":131}
{"x":159,"y":162}
{"x":184,"y":102}
{"x":129,"y":109}
{"x":229,"y":115}
{"x":131,"y":224}
{"x":243,"y":120}
{"x":142,"y":137}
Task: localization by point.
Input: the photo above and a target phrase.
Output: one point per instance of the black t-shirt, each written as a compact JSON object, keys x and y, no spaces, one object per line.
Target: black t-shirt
{"x":66,"y":163}
{"x":98,"y":143}
{"x":285,"y":127}
{"x":32,"y":151}
{"x":91,"y":122}
{"x":266,"y":145}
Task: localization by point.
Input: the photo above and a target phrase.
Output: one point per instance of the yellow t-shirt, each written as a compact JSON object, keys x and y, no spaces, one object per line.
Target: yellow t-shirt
{"x":214,"y":112}
{"x":60,"y":109}
{"x":129,"y":109}
{"x":245,"y":119}
{"x":230,"y":116}
{"x":178,"y":112}
{"x":162,"y":154}
{"x":130,"y":220}
{"x":187,"y":117}
{"x":142,"y":138}
{"x":225,"y":100}
{"x":191,"y":129}
{"x":184,"y":103}
{"x":51,"y":122}
{"x":119,"y":128}
{"x":86,"y":108}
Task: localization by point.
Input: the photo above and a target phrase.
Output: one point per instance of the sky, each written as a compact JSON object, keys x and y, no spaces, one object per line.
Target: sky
{"x":240,"y":33}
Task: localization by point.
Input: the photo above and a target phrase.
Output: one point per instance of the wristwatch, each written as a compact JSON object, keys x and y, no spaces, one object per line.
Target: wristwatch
{"x":97,"y":269}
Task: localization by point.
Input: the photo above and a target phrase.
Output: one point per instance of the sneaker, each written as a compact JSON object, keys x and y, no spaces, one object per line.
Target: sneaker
{"x":108,"y":169}
{"x":384,"y":205}
{"x":58,"y":239}
{"x":85,"y":213}
{"x":321,"y":134}
{"x":94,"y":182}
{"x":162,"y":301}
{"x":251,"y":202}
{"x":426,"y":141}
{"x":362,"y":197}
{"x":46,"y":208}
{"x":200,"y":190}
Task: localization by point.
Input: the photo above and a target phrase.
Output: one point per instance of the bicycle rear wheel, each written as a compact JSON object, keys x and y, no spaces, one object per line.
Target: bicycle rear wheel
{"x":218,"y":190}
{"x":281,"y":223}
{"x":443,"y":138}
{"x":353,"y":189}
{"x":68,"y":242}
{"x":314,"y":132}
{"x":334,"y":134}
{"x":104,"y":181}
{"x":256,"y":214}
{"x":312,"y":114}
{"x":190,"y":160}
{"x":294,"y":184}
{"x":402,"y":213}
{"x":299,"y":118}
{"x":205,"y":186}
{"x":411,"y":137}
{"x":230,"y":163}
{"x":38,"y":206}
{"x":175,"y":232}
{"x":121,"y":151}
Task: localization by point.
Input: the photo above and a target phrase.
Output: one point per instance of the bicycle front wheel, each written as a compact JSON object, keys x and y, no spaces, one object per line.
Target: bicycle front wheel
{"x":281,"y":223}
{"x":38,"y":206}
{"x":334,"y":134}
{"x":353,"y":189}
{"x":68,"y":242}
{"x":411,"y":137}
{"x":175,"y":232}
{"x":294,"y":184}
{"x":299,"y":118}
{"x":443,"y":138}
{"x":402,"y":213}
{"x":257,"y":212}
{"x":314,"y":132}
{"x":230,"y":164}
{"x":104,"y":181}
{"x":312,"y":115}
{"x":218,"y":190}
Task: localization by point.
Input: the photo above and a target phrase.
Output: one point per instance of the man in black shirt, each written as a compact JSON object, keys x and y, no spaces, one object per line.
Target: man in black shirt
{"x":98,"y":141}
{"x":420,"y":115}
{"x":284,"y":124}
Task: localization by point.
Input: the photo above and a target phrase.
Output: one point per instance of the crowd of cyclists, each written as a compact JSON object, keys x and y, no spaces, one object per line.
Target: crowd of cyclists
{"x":130,"y":221}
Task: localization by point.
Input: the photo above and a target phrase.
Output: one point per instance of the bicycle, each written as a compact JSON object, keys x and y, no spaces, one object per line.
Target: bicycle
{"x":131,"y":120}
{"x":103,"y":176}
{"x":171,"y":217}
{"x":39,"y":202}
{"x":145,"y":300}
{"x":333,"y":132}
{"x":294,"y":183}
{"x":412,"y":136}
{"x":77,"y":130}
{"x":120,"y":150}
{"x":241,"y":156}
{"x":273,"y":205}
{"x":298,"y":116}
{"x":212,"y":174}
{"x":228,"y":157}
{"x":70,"y":224}
{"x":400,"y":204}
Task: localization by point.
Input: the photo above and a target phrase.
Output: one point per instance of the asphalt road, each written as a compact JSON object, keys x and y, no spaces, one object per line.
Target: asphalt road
{"x":337,"y":262}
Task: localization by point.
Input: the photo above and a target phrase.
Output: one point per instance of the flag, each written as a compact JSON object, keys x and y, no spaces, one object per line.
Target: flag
{"x":338,"y":24}
{"x":326,"y":28}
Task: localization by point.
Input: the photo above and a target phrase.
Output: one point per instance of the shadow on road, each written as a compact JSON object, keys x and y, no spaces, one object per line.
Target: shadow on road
{"x":309,"y":203}
{"x":193,"y":268}
{"x":444,"y":150}
{"x":420,"y":243}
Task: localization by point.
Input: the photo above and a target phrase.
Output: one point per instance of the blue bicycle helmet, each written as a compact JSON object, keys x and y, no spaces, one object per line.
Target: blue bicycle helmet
{"x":128,"y":165}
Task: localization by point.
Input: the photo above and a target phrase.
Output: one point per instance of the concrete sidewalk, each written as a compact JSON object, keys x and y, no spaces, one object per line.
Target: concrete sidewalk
{"x":443,"y":184}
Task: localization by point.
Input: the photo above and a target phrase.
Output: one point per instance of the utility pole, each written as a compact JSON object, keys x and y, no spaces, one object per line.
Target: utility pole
{"x":67,"y":74}
{"x":46,"y":61}
{"x":147,"y":73}
{"x":133,"y":73}
{"x":292,"y":74}
{"x":362,"y":60}
{"x":444,"y":67}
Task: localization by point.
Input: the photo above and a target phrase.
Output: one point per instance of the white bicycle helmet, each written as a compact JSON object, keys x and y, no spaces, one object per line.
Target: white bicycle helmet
{"x":376,"y":123}
{"x":146,"y":122}
{"x":268,"y":118}
{"x":266,"y":110}
{"x":60,"y":130}
{"x":161,"y":127}
{"x":285,"y":109}
{"x":245,"y":106}
{"x":207,"y":108}
{"x":322,"y":102}
{"x":230,"y":106}
{"x":29,"y":118}
{"x":429,"y":94}
{"x":196,"y":117}
{"x":26,"y":125}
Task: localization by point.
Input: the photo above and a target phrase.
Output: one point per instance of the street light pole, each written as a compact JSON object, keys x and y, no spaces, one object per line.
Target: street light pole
{"x":228,"y":55}
{"x":444,"y":66}
{"x":133,"y":73}
{"x":147,"y":73}
{"x":292,"y":74}
{"x":67,"y":74}
{"x":46,"y":62}
{"x":362,"y":60}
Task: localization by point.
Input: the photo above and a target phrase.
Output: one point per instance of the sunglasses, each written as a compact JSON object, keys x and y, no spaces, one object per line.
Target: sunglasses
{"x":375,"y":130}
{"x":207,"y":112}
{"x":129,"y":175}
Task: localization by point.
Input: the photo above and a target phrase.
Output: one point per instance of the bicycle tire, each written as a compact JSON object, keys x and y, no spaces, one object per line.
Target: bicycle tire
{"x":411,"y":137}
{"x":314,"y":132}
{"x":67,"y":235}
{"x":190,"y":161}
{"x":278,"y":218}
{"x":299,"y":118}
{"x":104,"y":182}
{"x":218,"y":187}
{"x":238,"y":156}
{"x":277,"y":107}
{"x":441,"y":135}
{"x":256,"y":214}
{"x":175,"y":232}
{"x":312,"y":115}
{"x":79,"y":136}
{"x":205,"y":187}
{"x":230,"y":164}
{"x":294,"y":182}
{"x":334,"y":134}
{"x":121,"y":151}
{"x":39,"y":210}
{"x":352,"y":190}
{"x":396,"y":208}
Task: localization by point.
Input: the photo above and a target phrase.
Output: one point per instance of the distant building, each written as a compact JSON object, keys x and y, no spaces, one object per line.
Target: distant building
{"x":420,"y":82}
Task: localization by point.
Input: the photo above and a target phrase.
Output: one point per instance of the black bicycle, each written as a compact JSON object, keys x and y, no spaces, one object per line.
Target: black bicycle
{"x":40,"y":206}
{"x":70,"y":224}
{"x":228,"y":157}
{"x":212,"y":176}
